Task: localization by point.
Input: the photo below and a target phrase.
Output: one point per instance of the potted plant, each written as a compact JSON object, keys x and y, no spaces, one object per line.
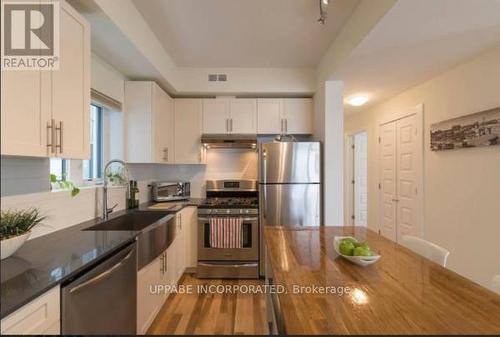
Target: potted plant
{"x":15,"y":228}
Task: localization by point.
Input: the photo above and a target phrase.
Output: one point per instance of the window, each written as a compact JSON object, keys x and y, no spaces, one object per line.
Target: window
{"x":92,"y":169}
{"x":59,"y":168}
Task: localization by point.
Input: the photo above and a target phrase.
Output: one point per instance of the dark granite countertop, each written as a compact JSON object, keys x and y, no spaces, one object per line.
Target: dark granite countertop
{"x":46,"y":261}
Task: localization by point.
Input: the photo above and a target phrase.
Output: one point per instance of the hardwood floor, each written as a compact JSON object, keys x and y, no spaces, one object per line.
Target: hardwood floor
{"x":212,"y":312}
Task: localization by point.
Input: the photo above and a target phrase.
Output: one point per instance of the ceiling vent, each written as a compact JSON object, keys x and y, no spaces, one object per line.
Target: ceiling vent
{"x":217,"y":77}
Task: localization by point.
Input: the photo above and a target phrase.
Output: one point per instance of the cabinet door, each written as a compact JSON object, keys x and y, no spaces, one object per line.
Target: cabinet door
{"x":190,"y":227}
{"x":163,"y":121}
{"x":243,"y":119}
{"x":269,"y":111}
{"x":139,"y":131}
{"x":39,"y":317}
{"x":297,"y":113}
{"x":24,"y":117}
{"x":71,"y":86}
{"x":148,"y":303}
{"x":188,"y":129}
{"x":215,"y":116}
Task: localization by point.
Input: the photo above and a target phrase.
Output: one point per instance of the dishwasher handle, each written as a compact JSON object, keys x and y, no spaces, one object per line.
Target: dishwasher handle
{"x":104,"y":274}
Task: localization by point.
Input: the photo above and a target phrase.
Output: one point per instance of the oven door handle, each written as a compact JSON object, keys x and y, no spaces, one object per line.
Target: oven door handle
{"x":227,"y":265}
{"x":244,"y":219}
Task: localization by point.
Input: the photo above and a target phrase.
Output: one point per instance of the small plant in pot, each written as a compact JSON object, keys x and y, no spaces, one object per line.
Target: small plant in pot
{"x":15,"y":228}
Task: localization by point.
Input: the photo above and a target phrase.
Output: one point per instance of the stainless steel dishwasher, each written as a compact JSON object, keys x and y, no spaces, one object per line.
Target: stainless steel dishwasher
{"x":103,"y":300}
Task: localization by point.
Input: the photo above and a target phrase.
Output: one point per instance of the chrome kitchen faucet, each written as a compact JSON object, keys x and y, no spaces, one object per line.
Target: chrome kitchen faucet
{"x":105,"y":210}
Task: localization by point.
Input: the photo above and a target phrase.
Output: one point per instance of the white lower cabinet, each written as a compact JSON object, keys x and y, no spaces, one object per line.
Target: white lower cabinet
{"x":190,"y":226}
{"x":150,"y":295}
{"x":42,"y":316}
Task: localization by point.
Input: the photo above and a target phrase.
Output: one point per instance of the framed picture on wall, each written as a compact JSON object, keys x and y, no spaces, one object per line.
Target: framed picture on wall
{"x":477,"y":129}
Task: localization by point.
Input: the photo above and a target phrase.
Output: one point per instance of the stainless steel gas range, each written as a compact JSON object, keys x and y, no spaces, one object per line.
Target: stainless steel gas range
{"x":228,"y":230}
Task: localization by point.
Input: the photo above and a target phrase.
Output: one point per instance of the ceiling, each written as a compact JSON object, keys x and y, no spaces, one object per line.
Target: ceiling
{"x":244,"y":33}
{"x":416,"y":41}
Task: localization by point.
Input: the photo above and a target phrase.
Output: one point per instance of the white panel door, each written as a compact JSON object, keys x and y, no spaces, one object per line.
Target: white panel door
{"x":71,"y":86}
{"x":297,"y":115}
{"x":188,"y":129}
{"x":387,"y":209}
{"x":216,"y":116}
{"x":360,"y":179}
{"x":243,"y":113}
{"x":407,"y":165}
{"x":269,"y":111}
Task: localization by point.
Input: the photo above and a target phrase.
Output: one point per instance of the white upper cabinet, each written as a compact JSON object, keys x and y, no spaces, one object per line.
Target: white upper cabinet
{"x":269,"y":116}
{"x":188,"y":129}
{"x":285,"y":116}
{"x":71,"y":87}
{"x":215,"y":116}
{"x":230,"y":116}
{"x":46,"y":113}
{"x":243,"y":116}
{"x":298,"y":115}
{"x":163,"y":127}
{"x":150,"y":123}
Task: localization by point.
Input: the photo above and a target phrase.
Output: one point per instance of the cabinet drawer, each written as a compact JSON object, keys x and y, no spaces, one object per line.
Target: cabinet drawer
{"x":40,"y":316}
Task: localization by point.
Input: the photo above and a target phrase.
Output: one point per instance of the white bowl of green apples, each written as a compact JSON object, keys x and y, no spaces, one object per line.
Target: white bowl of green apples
{"x":355,"y":251}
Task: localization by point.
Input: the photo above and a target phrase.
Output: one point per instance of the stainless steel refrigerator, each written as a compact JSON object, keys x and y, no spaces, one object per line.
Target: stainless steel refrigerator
{"x":289,"y":185}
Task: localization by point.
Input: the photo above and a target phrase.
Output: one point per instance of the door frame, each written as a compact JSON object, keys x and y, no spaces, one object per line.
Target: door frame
{"x":349,"y":175}
{"x":418,"y":111}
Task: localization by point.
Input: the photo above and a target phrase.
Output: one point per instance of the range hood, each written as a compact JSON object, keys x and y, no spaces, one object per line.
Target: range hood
{"x":223,"y":141}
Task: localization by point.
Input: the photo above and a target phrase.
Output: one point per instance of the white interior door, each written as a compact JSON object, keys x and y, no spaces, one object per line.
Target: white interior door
{"x":360,"y":179}
{"x":400,"y":178}
{"x":407,"y":165}
{"x":387,"y":208}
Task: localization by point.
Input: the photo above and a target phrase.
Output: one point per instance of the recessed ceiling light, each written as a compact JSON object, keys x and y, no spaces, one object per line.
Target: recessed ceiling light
{"x":357,"y":100}
{"x":325,"y":2}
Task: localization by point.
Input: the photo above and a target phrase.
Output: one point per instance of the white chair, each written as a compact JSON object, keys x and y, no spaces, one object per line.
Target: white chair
{"x":426,"y":248}
{"x":495,"y":284}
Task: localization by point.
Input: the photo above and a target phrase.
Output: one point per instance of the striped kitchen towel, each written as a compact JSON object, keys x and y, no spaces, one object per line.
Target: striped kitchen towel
{"x":225,"y":232}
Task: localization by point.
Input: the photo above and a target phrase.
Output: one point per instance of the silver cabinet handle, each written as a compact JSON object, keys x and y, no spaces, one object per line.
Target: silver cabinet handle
{"x":60,"y":129}
{"x":286,"y":125}
{"x":165,"y":262}
{"x":51,"y":135}
{"x":231,"y":121}
{"x":227,"y":125}
{"x":102,"y":275}
{"x":395,"y":199}
{"x":281,"y":125}
{"x":162,"y":267}
{"x":165,"y":154}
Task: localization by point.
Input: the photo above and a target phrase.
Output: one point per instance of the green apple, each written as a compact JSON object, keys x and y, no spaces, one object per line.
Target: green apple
{"x":362,"y":245}
{"x":349,"y":240}
{"x":360,"y":251}
{"x":346,"y":248}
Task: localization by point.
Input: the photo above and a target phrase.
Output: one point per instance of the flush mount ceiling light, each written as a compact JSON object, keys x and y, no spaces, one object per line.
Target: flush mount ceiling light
{"x":322,"y":11}
{"x":357,"y":100}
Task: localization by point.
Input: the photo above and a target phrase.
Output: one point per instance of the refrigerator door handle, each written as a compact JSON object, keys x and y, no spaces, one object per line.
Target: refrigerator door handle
{"x":264,"y":174}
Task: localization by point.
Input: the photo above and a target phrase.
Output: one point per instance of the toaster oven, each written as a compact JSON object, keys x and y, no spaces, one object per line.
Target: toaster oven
{"x":170,"y":191}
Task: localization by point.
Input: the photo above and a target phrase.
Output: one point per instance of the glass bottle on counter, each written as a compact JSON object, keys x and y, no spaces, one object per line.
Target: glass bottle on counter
{"x":133,"y":198}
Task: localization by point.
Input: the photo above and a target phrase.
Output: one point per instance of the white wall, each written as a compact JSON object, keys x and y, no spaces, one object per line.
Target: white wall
{"x":461,"y":187}
{"x":221,"y":164}
{"x":107,"y":80}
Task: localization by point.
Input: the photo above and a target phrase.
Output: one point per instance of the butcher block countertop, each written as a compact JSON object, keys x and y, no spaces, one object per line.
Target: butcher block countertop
{"x":403,"y":293}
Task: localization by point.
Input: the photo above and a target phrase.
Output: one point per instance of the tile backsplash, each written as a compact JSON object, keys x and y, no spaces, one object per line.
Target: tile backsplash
{"x":62,"y":210}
